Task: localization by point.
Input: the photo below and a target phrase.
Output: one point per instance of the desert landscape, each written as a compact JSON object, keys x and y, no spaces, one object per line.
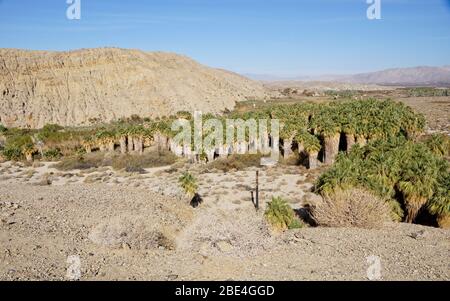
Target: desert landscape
{"x":199,"y":145}
{"x":105,"y":181}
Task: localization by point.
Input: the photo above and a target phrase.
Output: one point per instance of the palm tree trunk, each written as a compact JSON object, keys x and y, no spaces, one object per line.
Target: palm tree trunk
{"x":253,"y":146}
{"x":287,"y":148}
{"x":264,"y":146}
{"x":130,"y":143}
{"x":165,"y":142}
{"x":210,"y":155}
{"x":413,"y":206}
{"x":350,"y":138}
{"x":111,"y":146}
{"x":29,"y":157}
{"x":241,"y":148}
{"x":102,"y":147}
{"x":123,"y":144}
{"x":177,"y":149}
{"x":331,"y":148}
{"x":139,"y":145}
{"x":313,"y":161}
{"x":88,"y":149}
{"x":301,"y":148}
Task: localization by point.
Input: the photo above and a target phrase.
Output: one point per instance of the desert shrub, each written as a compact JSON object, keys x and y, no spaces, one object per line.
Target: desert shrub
{"x":136,"y":163}
{"x":80,"y":162}
{"x":2,"y":128}
{"x":52,"y":154}
{"x":129,"y":163}
{"x":12,"y":153}
{"x":397,"y":169}
{"x":236,"y":162}
{"x":281,"y":216}
{"x":51,"y":128}
{"x":188,"y":183}
{"x":352,"y":208}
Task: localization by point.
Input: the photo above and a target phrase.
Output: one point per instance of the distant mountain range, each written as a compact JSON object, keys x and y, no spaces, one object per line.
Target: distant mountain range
{"x":416,"y":76}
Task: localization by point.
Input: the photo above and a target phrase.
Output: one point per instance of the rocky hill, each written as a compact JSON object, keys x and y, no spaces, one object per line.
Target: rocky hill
{"x":84,"y":86}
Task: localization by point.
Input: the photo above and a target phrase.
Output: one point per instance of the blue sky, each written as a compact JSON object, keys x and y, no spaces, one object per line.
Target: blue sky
{"x":277,"y":37}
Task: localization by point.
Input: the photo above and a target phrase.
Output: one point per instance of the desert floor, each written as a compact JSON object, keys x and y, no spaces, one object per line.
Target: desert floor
{"x":141,"y":227}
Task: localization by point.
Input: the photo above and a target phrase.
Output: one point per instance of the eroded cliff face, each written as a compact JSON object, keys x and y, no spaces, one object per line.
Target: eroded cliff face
{"x":84,"y":86}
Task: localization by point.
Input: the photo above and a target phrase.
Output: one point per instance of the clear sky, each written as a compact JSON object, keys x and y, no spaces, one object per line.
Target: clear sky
{"x":277,"y":37}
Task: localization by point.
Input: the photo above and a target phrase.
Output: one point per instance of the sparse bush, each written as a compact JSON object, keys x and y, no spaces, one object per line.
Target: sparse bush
{"x":51,"y":128}
{"x":281,"y":216}
{"x":352,"y":208}
{"x":80,"y":162}
{"x":12,"y":153}
{"x":52,"y":154}
{"x":2,"y":128}
{"x":129,"y":163}
{"x":136,"y":163}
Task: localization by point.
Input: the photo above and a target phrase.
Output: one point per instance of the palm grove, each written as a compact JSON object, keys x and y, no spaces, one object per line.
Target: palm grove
{"x":372,"y":144}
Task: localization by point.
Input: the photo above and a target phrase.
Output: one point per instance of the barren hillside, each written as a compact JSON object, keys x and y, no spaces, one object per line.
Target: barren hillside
{"x":80,"y":87}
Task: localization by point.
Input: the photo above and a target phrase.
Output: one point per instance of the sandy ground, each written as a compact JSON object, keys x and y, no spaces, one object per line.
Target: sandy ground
{"x":435,"y":109}
{"x":139,"y":227}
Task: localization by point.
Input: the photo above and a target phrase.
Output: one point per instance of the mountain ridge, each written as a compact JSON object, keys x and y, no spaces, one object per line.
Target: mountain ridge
{"x":80,"y":87}
{"x":410,"y":76}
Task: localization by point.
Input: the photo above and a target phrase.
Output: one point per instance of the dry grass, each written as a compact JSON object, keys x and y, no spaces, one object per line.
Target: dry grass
{"x":236,"y":162}
{"x":129,"y":163}
{"x":352,"y":208}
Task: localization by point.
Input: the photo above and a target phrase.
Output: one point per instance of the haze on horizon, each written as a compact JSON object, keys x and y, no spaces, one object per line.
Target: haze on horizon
{"x":273,"y":37}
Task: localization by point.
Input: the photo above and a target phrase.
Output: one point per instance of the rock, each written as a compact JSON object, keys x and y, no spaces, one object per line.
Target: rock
{"x":84,"y":86}
{"x":172,"y":277}
{"x":224,"y":246}
{"x":204,"y":247}
{"x":418,"y":235}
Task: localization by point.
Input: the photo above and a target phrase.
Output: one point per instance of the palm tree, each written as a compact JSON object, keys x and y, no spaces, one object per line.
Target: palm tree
{"x":189,"y":184}
{"x":88,"y":143}
{"x":130,"y":132}
{"x":439,"y":204}
{"x":328,"y":123}
{"x":439,"y":144}
{"x":122,"y":134}
{"x":312,"y":147}
{"x":418,"y":178}
{"x":28,"y":150}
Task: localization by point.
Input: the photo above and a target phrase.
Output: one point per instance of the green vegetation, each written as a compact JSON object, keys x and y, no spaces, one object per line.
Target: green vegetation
{"x":189,"y":184}
{"x":315,"y":128}
{"x":439,"y":144}
{"x":130,"y":163}
{"x":427,"y":92}
{"x":407,"y":174}
{"x":281,"y":216}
